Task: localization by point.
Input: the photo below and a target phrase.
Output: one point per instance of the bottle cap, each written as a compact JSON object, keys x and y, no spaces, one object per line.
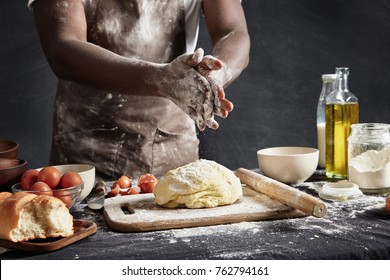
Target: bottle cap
{"x":340,"y":191}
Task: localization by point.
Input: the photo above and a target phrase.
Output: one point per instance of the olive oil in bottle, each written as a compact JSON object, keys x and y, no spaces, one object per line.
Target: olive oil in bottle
{"x":342,"y":110}
{"x":338,"y":128}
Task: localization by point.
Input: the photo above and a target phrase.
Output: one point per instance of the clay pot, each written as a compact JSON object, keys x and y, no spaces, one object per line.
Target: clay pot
{"x":9,"y":149}
{"x":11,"y":175}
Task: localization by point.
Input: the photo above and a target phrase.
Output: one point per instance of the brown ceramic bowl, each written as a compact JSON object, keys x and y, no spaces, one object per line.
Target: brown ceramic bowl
{"x":10,"y":176}
{"x":9,"y":149}
{"x":8,"y":163}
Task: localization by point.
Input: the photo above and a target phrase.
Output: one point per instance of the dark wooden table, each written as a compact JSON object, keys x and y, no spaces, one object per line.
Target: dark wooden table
{"x":356,"y":229}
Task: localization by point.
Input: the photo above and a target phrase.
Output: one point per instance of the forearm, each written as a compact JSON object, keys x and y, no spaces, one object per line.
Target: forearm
{"x":62,"y":28}
{"x":229,"y":35}
{"x":233,"y":51}
{"x":91,"y":65}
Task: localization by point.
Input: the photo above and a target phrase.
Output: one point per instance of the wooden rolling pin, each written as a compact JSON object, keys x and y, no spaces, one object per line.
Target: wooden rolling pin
{"x":282,"y":192}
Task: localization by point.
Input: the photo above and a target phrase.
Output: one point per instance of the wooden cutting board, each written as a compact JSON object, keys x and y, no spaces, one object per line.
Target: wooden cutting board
{"x":82,"y":229}
{"x":136,"y":213}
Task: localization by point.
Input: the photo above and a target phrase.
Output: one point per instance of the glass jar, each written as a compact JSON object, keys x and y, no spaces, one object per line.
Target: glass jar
{"x":342,"y":110}
{"x":328,"y":86}
{"x":369,"y":157}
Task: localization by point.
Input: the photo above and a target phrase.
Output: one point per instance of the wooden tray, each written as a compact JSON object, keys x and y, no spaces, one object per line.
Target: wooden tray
{"x":82,"y":229}
{"x":136,"y":213}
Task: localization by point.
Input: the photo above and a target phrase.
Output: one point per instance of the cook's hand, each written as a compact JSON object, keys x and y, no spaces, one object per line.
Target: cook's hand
{"x":217,"y":103}
{"x":187,"y":88}
{"x":213,"y":70}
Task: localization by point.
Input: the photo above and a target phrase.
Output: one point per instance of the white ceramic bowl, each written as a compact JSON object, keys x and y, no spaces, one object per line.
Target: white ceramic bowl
{"x":290,"y":165}
{"x":87,"y":173}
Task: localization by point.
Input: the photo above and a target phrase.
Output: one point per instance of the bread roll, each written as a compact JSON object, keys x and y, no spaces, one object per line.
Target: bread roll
{"x":26,"y":216}
{"x":4,"y":196}
{"x":200,"y":184}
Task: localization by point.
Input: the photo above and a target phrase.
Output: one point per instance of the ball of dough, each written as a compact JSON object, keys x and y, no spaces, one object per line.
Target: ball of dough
{"x":199,"y":184}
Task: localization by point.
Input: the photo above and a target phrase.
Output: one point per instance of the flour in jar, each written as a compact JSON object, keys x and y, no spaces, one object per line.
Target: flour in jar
{"x":371,"y":169}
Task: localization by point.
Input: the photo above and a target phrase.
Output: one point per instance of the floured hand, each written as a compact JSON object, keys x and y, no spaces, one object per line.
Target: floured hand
{"x":212,"y":69}
{"x":180,"y":82}
{"x":212,"y":101}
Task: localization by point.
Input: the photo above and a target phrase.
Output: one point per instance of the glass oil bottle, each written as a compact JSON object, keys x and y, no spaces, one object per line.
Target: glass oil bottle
{"x":342,"y":110}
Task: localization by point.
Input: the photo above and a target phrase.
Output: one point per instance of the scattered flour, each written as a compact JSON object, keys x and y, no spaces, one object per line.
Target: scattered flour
{"x":236,"y":240}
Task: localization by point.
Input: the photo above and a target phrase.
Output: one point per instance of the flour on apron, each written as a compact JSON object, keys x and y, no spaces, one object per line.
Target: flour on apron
{"x":118,"y":133}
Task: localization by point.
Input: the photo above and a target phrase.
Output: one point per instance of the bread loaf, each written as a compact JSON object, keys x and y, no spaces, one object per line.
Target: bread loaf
{"x":26,"y":216}
{"x":4,"y":196}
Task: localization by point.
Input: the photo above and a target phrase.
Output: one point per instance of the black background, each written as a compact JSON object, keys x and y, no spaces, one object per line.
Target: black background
{"x":293,"y":42}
